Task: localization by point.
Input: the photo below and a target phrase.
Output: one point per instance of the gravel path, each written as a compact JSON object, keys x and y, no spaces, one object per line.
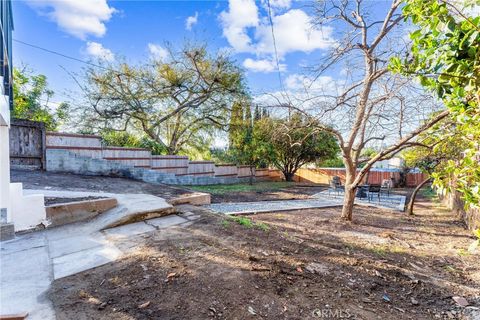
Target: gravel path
{"x":321,"y":200}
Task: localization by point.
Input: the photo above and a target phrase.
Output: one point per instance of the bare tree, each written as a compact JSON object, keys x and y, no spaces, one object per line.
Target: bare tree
{"x":173,"y":101}
{"x":370,"y":105}
{"x":372,"y":95}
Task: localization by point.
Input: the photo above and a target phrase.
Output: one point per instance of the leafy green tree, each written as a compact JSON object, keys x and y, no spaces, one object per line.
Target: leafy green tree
{"x":32,"y":98}
{"x":244,"y":148}
{"x":127,"y":139}
{"x":336,"y":162}
{"x":235,"y":124}
{"x":178,"y":102}
{"x":291,"y":143}
{"x":435,"y":149}
{"x":446,"y":58}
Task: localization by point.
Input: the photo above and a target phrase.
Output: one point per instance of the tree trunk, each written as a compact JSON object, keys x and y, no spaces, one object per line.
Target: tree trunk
{"x":348,"y":201}
{"x":414,"y":195}
{"x":350,"y":190}
{"x":289,"y":176}
{"x":250,"y":180}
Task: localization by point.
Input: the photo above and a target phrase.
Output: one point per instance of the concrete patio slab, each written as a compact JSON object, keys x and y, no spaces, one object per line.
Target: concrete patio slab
{"x":31,"y":261}
{"x":83,"y":260}
{"x":128,"y":230}
{"x":25,"y":242}
{"x":25,"y":278}
{"x":61,"y":247}
{"x":165,"y":222}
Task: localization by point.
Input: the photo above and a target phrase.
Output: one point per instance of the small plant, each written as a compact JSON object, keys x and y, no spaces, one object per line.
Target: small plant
{"x":380,"y":251}
{"x":262,"y":226}
{"x":225,"y":223}
{"x":249,"y":223}
{"x":243,"y":221}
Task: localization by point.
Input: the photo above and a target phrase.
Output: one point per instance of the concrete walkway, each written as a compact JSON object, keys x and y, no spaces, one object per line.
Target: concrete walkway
{"x":320,"y":200}
{"x":30,"y":262}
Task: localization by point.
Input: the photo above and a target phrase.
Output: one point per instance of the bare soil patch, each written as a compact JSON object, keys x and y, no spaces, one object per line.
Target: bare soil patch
{"x":292,"y":192}
{"x":73,"y":182}
{"x":290,"y":265}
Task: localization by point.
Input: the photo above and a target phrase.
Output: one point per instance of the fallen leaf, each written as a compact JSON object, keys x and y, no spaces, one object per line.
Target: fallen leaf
{"x":171,"y":275}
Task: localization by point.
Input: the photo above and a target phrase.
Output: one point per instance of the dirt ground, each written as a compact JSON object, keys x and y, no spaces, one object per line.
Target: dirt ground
{"x":72,"y":182}
{"x":294,"y":192}
{"x":290,"y":265}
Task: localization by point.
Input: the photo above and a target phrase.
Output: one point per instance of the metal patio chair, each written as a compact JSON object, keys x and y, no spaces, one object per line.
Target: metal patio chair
{"x":335,"y":186}
{"x":372,"y":191}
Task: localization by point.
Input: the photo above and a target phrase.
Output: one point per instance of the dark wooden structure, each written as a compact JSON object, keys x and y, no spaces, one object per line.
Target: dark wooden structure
{"x":27,"y":144}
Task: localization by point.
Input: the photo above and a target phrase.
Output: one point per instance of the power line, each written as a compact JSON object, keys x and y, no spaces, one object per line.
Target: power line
{"x":277,"y":60}
{"x":274,"y":44}
{"x":62,"y":55}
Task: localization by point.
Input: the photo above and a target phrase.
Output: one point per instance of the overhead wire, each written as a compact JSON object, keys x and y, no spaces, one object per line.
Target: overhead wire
{"x":277,"y":60}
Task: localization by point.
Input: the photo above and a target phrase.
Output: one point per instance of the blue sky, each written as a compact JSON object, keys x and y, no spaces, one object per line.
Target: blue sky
{"x":136,"y":30}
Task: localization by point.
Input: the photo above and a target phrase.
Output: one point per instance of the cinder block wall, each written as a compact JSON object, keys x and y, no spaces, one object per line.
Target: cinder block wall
{"x":201,"y":168}
{"x":139,"y":158}
{"x":85,"y":154}
{"x":245,"y":171}
{"x":170,"y":164}
{"x":81,"y":144}
{"x":226,"y":170}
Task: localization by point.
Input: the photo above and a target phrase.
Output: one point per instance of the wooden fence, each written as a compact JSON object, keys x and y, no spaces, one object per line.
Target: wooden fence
{"x":27,"y":144}
{"x":375,"y":176}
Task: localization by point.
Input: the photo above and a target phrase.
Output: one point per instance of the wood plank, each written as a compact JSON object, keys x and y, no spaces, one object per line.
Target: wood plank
{"x":17,"y":316}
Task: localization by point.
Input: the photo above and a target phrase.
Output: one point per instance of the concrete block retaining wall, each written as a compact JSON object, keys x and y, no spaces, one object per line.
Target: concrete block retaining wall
{"x":201,"y":168}
{"x":226,"y":170}
{"x":66,"y":161}
{"x":245,"y":171}
{"x":140,"y":158}
{"x":83,"y":145}
{"x":170,"y":164}
{"x":85,"y":154}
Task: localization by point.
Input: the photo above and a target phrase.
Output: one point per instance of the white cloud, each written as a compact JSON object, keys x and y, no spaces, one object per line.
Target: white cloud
{"x":293,"y":32}
{"x":262,"y":65}
{"x":191,"y":21}
{"x":300,"y":82}
{"x":241,"y":14}
{"x":281,"y":4}
{"x":247,"y":31}
{"x":79,"y":18}
{"x":98,"y":51}
{"x":157,"y":52}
